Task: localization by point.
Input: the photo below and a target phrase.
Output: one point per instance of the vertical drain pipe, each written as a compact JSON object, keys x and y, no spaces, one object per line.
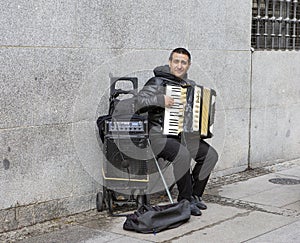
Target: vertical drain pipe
{"x":250,"y":110}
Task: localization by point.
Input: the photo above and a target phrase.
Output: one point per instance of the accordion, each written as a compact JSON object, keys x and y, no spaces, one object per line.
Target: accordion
{"x":193,"y":111}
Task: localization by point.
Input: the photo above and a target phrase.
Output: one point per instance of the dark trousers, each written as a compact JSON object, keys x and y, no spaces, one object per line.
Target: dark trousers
{"x":180,"y":151}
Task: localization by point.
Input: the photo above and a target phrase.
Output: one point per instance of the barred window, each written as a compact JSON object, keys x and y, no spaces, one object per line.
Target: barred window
{"x":275,"y":25}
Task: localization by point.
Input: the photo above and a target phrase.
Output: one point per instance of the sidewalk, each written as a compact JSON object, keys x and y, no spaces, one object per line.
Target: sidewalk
{"x":253,"y":210}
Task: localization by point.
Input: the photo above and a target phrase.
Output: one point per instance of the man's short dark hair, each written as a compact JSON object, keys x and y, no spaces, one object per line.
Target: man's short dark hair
{"x":180,"y":50}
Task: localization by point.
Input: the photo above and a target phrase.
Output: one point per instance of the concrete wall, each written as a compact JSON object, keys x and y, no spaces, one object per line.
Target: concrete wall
{"x":55,"y":62}
{"x":275,"y":107}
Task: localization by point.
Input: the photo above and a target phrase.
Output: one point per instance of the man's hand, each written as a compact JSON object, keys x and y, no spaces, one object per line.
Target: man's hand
{"x":169,"y":101}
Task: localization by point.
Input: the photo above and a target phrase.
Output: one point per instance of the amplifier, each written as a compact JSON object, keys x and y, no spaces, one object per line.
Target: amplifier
{"x":126,"y":127}
{"x":123,"y":159}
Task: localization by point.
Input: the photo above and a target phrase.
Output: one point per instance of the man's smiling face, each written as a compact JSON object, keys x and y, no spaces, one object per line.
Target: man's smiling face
{"x":179,"y":65}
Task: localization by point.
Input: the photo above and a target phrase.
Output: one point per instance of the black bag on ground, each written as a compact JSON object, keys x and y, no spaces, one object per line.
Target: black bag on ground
{"x":153,"y":219}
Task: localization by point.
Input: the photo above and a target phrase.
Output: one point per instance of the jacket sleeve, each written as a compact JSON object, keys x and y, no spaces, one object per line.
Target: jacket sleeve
{"x":151,"y":95}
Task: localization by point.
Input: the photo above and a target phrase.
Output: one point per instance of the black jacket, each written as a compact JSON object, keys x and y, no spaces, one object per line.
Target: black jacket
{"x":151,"y":97}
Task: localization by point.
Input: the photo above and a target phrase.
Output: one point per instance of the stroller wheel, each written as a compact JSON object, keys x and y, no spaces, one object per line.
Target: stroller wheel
{"x":99,"y":202}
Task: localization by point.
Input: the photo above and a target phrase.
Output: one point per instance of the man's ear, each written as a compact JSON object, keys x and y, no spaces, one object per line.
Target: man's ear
{"x":189,"y":66}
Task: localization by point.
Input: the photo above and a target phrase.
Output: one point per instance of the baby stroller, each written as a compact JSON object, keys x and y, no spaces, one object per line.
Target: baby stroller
{"x":124,"y":135}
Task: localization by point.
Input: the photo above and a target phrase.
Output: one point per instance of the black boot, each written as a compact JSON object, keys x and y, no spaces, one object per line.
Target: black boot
{"x":195,"y":210}
{"x":198,"y":202}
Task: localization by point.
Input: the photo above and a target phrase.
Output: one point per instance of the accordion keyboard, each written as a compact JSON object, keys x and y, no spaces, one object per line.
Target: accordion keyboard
{"x":174,"y":115}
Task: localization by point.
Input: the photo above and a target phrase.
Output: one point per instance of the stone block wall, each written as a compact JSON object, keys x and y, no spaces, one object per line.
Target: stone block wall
{"x":55,"y":62}
{"x":275,"y":108}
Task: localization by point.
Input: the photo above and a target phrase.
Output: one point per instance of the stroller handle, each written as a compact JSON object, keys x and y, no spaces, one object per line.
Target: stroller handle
{"x":115,"y":80}
{"x":117,"y":92}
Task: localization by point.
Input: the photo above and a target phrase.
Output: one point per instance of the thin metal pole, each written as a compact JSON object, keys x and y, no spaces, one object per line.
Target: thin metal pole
{"x":161,"y":174}
{"x":163,"y":179}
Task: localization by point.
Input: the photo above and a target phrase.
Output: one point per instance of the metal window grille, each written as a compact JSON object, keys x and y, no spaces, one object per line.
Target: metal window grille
{"x":275,"y":25}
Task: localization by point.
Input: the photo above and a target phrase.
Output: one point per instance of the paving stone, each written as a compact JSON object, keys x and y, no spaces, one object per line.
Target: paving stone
{"x":238,"y":229}
{"x":288,"y":234}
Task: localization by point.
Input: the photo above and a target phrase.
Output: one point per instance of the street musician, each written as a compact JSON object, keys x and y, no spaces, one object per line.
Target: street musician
{"x":169,"y":98}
